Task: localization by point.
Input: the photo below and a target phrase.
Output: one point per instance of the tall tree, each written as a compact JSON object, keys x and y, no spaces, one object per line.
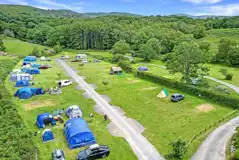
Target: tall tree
{"x":121,"y":47}
{"x":188,"y":60}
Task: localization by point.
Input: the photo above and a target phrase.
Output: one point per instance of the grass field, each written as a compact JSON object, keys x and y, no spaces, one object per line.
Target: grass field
{"x":164,"y":121}
{"x":29,"y":109}
{"x":18,"y":47}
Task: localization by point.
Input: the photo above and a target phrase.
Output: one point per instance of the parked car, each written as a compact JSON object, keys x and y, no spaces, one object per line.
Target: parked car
{"x":58,"y":154}
{"x":65,"y":57}
{"x":84,"y":61}
{"x":64,"y":83}
{"x":94,"y":152}
{"x":177,"y":97}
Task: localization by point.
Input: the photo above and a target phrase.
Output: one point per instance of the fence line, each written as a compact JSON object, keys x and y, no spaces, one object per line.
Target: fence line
{"x":210,"y":126}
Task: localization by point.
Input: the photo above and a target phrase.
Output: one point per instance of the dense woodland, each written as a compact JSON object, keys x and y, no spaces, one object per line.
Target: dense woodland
{"x":78,"y":32}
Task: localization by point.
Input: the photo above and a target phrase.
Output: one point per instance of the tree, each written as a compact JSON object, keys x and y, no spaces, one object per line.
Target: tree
{"x":36,"y":52}
{"x":121,"y":47}
{"x":225,"y":46}
{"x":150,"y":50}
{"x":2,"y":47}
{"x":118,"y":57}
{"x":188,"y":60}
{"x":234,"y":56}
{"x":179,"y":148}
{"x":57,"y":48}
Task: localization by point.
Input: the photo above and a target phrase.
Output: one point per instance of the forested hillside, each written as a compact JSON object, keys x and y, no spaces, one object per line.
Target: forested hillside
{"x":165,"y":32}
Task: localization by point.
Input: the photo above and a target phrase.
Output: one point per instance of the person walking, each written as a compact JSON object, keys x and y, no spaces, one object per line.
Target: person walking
{"x":105,"y":117}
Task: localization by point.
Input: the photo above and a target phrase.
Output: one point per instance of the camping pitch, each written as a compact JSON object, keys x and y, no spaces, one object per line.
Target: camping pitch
{"x":78,"y":134}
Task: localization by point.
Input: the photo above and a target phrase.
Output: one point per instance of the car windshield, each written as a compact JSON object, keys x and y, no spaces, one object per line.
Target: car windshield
{"x":88,"y":151}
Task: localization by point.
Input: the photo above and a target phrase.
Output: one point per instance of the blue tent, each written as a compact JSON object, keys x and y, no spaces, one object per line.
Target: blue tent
{"x":78,"y":134}
{"x":47,"y":136}
{"x":26,"y":92}
{"x":30,"y":59}
{"x":37,"y":66}
{"x":22,"y":83}
{"x":30,"y":71}
{"x":43,"y":119}
{"x":141,"y":68}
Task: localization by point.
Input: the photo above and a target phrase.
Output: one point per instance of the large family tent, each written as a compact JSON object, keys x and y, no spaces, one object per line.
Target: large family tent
{"x":26,"y":92}
{"x":142,"y":68}
{"x":78,"y":134}
{"x":22,"y":83}
{"x":44,"y":119}
{"x":37,"y":66}
{"x":31,"y":71}
{"x":20,"y":76}
{"x":30,"y":59}
{"x":47,"y":136}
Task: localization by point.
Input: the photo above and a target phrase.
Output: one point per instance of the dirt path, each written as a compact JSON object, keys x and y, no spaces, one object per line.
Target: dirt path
{"x":143,"y":149}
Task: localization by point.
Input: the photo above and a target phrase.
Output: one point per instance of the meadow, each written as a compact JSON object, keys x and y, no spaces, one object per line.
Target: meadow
{"x":163,"y":120}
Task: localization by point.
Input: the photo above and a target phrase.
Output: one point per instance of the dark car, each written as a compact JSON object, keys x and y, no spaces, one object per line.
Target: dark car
{"x":58,"y":154}
{"x":94,"y":152}
{"x":177,"y":97}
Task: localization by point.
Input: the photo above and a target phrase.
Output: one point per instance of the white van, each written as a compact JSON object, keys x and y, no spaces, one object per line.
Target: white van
{"x":64,"y":83}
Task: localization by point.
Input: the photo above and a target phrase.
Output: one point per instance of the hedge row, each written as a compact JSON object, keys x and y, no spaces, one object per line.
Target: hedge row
{"x":15,"y":142}
{"x":214,"y":97}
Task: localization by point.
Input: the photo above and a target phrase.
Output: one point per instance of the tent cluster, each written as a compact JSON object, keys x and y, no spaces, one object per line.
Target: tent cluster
{"x":23,"y":76}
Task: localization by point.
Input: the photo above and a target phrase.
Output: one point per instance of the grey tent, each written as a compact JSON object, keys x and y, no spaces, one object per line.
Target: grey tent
{"x":20,"y":76}
{"x":74,"y":111}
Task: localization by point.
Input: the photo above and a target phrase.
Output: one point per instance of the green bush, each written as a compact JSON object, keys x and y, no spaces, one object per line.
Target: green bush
{"x":229,"y":76}
{"x":125,"y":65}
{"x":118,"y":57}
{"x":236,"y":155}
{"x":214,"y":97}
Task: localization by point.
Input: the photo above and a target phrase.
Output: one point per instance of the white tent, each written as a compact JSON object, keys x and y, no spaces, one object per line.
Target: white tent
{"x":74,"y":111}
{"x":81,"y":56}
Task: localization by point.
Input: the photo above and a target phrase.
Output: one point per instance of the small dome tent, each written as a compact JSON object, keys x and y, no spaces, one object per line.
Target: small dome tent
{"x":142,"y":68}
{"x":30,"y":59}
{"x":78,"y":134}
{"x":47,"y":136}
{"x":22,"y":83}
{"x":44,"y":119}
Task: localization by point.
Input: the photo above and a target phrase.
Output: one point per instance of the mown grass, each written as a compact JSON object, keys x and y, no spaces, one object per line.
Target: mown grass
{"x":70,"y":96}
{"x":20,"y":48}
{"x":163,"y":120}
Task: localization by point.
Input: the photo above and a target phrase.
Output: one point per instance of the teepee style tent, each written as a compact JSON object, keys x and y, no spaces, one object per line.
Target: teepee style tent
{"x":163,"y":94}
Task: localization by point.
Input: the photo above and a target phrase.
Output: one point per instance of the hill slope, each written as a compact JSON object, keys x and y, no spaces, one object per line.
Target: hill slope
{"x":29,"y":10}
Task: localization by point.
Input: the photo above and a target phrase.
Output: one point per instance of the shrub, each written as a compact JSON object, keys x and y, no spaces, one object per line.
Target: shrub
{"x":229,"y":76}
{"x":118,"y":57}
{"x":236,"y":155}
{"x":125,"y":65}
